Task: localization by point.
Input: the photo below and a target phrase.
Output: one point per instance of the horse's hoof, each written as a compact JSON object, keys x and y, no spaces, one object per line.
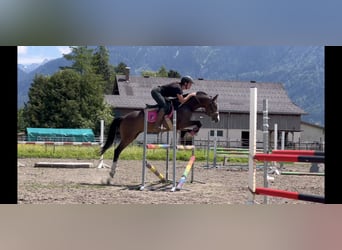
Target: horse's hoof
{"x":111,"y":174}
{"x":107,"y":181}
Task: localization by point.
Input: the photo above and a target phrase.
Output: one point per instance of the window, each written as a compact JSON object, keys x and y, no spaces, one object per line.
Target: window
{"x":245,"y":138}
{"x":219,"y":133}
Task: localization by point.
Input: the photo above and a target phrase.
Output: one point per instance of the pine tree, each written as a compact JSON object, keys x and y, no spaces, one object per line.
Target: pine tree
{"x":103,"y":68}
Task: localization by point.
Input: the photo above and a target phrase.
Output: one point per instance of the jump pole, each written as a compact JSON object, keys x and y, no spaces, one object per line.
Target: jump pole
{"x":167,"y":156}
{"x":271,"y":157}
{"x":252,"y":144}
{"x":193,"y":153}
{"x":186,"y":172}
{"x":289,"y":195}
{"x":265,"y":139}
{"x":301,"y":173}
{"x":299,"y":152}
{"x":101,"y":164}
{"x":165,"y":146}
{"x":156,"y":172}
{"x":289,"y":158}
{"x":208,"y":149}
{"x":142,"y":187}
{"x":178,"y":147}
{"x":174,"y":151}
{"x":215,"y":148}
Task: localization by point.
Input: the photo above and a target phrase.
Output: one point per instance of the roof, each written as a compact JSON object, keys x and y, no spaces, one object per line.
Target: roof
{"x":312,"y":125}
{"x":233,"y":95}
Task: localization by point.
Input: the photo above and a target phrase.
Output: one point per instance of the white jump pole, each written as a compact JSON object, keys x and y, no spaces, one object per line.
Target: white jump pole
{"x":142,"y":187}
{"x":101,"y":164}
{"x":282,"y":140}
{"x":167,"y":156}
{"x":281,"y":164}
{"x":275,"y":136}
{"x":174,"y":150}
{"x":252,"y":144}
{"x":265,"y":139}
{"x":215,"y":147}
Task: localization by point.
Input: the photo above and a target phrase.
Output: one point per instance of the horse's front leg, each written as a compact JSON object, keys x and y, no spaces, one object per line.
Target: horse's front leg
{"x":196,"y":127}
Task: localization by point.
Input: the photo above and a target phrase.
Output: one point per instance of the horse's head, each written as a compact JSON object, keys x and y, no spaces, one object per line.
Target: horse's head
{"x":210,"y":105}
{"x":212,"y":109}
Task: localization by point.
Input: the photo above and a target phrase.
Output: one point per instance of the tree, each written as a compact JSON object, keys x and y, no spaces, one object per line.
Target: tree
{"x":82,"y":57}
{"x":148,"y":73}
{"x":70,"y":98}
{"x":162,"y":72}
{"x":173,"y":74}
{"x":53,"y":101}
{"x":121,"y":68}
{"x":103,"y":68}
{"x":34,"y":109}
{"x":21,"y":122}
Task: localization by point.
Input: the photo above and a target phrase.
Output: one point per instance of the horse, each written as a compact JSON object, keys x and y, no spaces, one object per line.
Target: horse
{"x":132,"y":124}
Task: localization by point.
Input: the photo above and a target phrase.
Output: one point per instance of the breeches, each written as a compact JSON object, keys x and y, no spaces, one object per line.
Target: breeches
{"x":157,"y":96}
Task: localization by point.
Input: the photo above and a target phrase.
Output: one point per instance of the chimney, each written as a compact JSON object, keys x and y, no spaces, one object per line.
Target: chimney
{"x":127,"y":69}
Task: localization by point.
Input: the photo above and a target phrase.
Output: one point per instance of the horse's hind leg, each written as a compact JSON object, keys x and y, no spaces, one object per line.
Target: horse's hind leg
{"x":113,"y":169}
{"x":129,"y":130}
{"x":117,"y":153}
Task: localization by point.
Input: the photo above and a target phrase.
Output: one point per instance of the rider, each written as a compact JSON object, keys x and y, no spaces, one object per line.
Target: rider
{"x":174,"y":89}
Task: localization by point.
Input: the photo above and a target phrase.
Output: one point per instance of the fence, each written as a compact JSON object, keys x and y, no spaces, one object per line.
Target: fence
{"x":200,"y":144}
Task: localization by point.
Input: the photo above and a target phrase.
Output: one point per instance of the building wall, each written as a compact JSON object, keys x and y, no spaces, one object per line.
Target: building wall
{"x":241,"y":121}
{"x":311,"y":133}
{"x":227,"y":137}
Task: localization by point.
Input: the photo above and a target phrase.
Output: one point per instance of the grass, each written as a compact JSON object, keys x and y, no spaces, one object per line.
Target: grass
{"x":132,"y":152}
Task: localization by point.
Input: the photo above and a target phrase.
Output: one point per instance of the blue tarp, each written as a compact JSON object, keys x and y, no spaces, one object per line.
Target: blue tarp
{"x":60,"y":134}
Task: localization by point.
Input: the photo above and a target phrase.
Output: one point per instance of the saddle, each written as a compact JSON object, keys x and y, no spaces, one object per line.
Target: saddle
{"x":152,"y":113}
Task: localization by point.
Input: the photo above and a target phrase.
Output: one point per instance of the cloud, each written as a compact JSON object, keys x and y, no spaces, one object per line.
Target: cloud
{"x":30,"y":60}
{"x":37,"y":54}
{"x":64,"y":49}
{"x":22,"y":50}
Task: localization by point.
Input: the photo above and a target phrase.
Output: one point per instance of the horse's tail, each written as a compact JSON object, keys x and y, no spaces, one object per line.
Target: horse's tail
{"x":111,"y":135}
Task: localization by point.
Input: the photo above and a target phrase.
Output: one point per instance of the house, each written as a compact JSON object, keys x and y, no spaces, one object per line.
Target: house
{"x":134,"y":92}
{"x":312,"y":136}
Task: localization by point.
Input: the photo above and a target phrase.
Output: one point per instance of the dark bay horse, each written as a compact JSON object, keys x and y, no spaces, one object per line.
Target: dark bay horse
{"x":132,"y":124}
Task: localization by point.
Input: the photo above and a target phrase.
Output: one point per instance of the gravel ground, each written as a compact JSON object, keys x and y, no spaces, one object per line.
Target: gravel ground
{"x":222,"y":185}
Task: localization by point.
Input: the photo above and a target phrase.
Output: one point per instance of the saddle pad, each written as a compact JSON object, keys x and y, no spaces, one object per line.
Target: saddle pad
{"x":152,"y":115}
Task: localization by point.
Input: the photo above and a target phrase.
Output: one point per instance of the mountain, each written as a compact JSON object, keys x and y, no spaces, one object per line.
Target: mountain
{"x":299,"y":68}
{"x":30,"y":67}
{"x":25,"y":78}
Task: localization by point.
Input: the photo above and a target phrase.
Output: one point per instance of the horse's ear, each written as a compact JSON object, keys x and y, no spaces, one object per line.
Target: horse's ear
{"x":215,"y":97}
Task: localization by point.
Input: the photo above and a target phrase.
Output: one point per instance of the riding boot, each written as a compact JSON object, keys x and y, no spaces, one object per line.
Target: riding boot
{"x":159,"y":121}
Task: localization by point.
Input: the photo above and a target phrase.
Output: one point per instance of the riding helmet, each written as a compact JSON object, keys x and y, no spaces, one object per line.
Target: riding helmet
{"x":186,"y":79}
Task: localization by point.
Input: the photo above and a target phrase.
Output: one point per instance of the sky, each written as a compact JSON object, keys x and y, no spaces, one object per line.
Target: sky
{"x":37,"y":54}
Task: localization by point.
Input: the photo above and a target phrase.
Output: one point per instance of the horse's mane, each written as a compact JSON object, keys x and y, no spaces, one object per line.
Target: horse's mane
{"x":192,"y":101}
{"x":201,"y":93}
